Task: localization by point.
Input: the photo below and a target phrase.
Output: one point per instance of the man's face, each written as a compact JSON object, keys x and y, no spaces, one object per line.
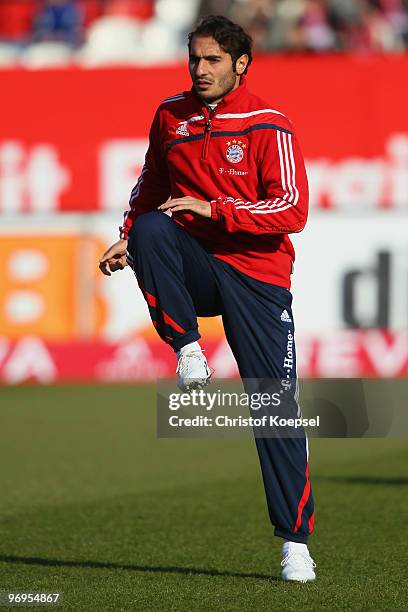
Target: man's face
{"x":211,"y":69}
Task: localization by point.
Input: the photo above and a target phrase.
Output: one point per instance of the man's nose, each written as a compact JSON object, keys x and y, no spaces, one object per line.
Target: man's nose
{"x":201,"y":67}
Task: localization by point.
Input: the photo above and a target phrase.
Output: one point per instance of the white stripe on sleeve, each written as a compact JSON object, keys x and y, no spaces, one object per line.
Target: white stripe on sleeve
{"x":278,"y":136}
{"x":287,"y":197}
{"x":292,"y":160}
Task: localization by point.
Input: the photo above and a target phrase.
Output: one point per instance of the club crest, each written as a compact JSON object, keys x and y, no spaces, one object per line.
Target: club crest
{"x":235,"y":151}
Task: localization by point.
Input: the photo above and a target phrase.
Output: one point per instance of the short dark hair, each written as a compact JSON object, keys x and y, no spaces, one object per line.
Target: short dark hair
{"x":229,"y":35}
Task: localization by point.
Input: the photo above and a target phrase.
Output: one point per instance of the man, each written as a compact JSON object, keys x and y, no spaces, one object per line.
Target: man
{"x":228,"y":168}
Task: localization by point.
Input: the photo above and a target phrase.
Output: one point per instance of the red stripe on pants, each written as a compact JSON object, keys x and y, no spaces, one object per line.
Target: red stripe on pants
{"x":154,"y":302}
{"x":303,"y":500}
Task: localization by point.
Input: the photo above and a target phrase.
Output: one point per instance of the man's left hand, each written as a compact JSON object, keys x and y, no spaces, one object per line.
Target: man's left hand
{"x":189,"y":204}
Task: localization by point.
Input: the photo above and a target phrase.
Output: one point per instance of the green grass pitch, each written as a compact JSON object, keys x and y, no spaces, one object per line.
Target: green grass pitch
{"x":94,"y":506}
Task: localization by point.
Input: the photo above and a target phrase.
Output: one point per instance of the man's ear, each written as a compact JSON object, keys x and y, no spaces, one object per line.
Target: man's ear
{"x":241,"y":64}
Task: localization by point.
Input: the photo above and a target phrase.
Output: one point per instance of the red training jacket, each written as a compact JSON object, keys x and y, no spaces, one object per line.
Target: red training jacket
{"x":243,"y":158}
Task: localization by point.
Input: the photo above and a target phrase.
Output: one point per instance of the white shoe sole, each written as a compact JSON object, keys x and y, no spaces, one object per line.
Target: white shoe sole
{"x":298,"y":578}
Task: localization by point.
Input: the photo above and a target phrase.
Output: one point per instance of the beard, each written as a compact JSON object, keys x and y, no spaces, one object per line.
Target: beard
{"x":217,"y":89}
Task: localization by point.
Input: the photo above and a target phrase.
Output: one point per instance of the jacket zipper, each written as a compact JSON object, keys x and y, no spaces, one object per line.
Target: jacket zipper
{"x":207,"y":136}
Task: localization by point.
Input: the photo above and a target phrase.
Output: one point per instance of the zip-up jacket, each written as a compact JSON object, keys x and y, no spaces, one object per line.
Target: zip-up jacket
{"x":245,"y":160}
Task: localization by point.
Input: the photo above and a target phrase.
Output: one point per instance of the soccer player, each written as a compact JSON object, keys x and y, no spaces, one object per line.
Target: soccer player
{"x":207,"y":233}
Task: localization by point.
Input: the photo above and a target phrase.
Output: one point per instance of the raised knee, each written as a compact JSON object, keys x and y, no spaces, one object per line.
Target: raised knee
{"x":149,"y":226}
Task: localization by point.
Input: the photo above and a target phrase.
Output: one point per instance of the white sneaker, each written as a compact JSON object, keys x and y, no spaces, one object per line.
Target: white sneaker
{"x":193,"y":371}
{"x":298,"y":565}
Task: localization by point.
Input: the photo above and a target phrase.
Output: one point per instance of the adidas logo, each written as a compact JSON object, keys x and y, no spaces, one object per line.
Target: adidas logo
{"x":182,"y":129}
{"x":285,"y":317}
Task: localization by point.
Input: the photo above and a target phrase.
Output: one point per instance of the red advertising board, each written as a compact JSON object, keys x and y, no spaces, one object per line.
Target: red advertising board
{"x":357,"y":354}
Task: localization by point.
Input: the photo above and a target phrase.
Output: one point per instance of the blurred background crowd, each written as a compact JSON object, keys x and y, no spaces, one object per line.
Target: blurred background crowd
{"x":91,"y":32}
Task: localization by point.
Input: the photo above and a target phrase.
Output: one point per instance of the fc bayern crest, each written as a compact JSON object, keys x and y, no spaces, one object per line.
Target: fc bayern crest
{"x":235,"y":151}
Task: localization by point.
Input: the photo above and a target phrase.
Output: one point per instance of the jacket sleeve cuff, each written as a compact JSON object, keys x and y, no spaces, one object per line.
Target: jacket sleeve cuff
{"x":215,"y":215}
{"x":123,"y":233}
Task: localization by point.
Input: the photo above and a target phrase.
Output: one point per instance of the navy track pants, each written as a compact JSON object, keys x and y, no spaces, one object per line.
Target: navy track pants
{"x":181,"y":280}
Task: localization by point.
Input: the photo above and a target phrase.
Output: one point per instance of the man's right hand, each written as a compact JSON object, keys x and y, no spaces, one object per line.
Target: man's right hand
{"x":114,"y":258}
